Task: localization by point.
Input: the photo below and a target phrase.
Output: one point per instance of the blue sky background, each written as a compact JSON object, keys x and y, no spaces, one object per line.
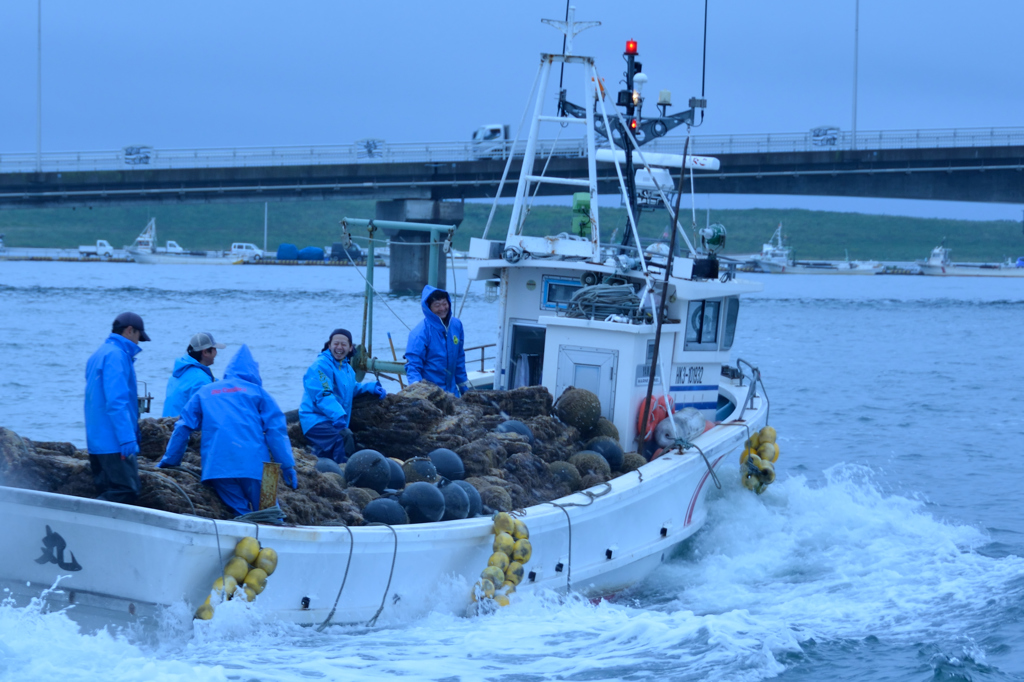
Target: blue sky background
{"x":188,"y":74}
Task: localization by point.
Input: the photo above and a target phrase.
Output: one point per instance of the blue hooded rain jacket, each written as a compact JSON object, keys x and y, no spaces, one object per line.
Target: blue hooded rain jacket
{"x":239,"y":421}
{"x":111,"y":396}
{"x":328,"y":388}
{"x":189,"y":376}
{"x":436,"y":351}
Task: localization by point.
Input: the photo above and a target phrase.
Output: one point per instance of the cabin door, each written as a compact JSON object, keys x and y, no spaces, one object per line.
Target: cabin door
{"x":589,"y":368}
{"x":526,"y":355}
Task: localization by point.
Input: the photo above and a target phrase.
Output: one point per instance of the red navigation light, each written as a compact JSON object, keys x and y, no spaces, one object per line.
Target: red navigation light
{"x":632,"y":125}
{"x":630,"y":47}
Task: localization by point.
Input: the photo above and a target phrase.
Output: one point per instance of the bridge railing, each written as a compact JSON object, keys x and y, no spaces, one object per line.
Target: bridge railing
{"x":379,"y":151}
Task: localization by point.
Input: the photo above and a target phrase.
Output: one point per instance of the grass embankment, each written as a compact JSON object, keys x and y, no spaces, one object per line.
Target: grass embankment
{"x":812,"y":234}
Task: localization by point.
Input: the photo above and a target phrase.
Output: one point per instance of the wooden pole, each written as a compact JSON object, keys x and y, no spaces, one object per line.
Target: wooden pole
{"x":268,"y":486}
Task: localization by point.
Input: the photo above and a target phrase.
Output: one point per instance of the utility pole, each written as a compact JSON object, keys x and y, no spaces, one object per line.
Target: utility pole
{"x":856,"y":44}
{"x":39,"y":86}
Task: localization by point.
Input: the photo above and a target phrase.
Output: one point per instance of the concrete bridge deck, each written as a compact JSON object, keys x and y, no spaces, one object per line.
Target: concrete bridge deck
{"x":985,"y":165}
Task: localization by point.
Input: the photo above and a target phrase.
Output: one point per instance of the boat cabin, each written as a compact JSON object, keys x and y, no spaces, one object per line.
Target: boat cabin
{"x":546,"y":339}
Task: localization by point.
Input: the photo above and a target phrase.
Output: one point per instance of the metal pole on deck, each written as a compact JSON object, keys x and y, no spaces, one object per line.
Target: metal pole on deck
{"x":646,"y":407}
{"x":265,"y":227}
{"x":371,"y":228}
{"x":432,"y":270}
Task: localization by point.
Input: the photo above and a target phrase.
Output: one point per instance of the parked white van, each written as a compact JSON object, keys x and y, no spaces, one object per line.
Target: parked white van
{"x":246,"y":251}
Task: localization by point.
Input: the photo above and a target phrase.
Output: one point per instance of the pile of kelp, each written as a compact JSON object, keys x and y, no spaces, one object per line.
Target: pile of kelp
{"x":510,"y":469}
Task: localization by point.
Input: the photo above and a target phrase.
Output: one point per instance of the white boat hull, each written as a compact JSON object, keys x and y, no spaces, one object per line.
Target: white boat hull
{"x":959,"y":270}
{"x":840,"y":268}
{"x":181,"y":258}
{"x":134,"y":560}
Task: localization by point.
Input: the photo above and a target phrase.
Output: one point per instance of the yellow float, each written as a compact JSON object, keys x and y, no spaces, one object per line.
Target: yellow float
{"x":504,"y":570}
{"x":246,"y":573}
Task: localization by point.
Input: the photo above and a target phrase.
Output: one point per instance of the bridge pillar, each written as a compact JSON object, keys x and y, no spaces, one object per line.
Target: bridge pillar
{"x":410,"y":253}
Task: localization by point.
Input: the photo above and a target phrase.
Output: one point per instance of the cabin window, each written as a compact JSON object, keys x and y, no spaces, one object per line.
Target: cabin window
{"x":558,"y":292}
{"x":732,"y":311}
{"x":702,"y":325}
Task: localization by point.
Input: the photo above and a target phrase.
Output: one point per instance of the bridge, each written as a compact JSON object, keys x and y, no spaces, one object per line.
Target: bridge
{"x":975,"y":164}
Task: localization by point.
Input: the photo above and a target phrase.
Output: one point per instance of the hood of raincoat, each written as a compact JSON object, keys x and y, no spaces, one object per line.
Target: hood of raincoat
{"x":187,"y":362}
{"x":427,"y":312}
{"x":244,"y":366}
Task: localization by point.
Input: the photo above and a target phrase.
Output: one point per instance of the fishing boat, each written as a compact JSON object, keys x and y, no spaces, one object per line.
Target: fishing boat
{"x":637,"y":330}
{"x":776,"y":258}
{"x":939,"y":264}
{"x":144,"y":250}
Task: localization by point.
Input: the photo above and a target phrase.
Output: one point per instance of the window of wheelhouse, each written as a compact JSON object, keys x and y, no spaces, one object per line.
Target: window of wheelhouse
{"x":702,"y":325}
{"x":732,"y":312}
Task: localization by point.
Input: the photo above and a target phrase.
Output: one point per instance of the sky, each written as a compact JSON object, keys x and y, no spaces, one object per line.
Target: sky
{"x":227,"y":73}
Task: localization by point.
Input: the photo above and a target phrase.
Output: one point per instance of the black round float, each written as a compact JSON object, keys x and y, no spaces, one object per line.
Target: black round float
{"x":475,"y":504}
{"x":515,"y":426}
{"x":385,"y":510}
{"x":423,"y":502}
{"x":397,"y":480}
{"x":368,"y":469}
{"x":448,"y":464}
{"x":456,"y":501}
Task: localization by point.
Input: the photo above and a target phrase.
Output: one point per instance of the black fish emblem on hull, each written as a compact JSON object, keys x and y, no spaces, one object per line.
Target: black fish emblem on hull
{"x":53,"y":552}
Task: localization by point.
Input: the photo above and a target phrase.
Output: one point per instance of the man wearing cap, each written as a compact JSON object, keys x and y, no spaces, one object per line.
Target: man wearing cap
{"x":112,"y":411}
{"x":436,"y":350}
{"x":191,"y":372}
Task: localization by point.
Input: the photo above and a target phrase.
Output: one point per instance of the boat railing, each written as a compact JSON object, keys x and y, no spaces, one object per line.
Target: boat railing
{"x":483,"y":354}
{"x":380,"y":151}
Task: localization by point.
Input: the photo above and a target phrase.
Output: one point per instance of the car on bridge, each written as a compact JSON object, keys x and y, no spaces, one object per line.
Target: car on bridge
{"x":825,"y":136}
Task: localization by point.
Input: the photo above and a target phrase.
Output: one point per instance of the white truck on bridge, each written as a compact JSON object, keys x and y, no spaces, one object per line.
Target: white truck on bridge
{"x":102,"y":249}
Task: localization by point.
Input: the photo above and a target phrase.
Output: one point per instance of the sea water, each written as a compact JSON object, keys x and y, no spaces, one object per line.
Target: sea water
{"x":889,"y":548}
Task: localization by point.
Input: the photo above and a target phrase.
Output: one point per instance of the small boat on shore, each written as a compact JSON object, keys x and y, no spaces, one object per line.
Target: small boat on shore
{"x":939,"y":264}
{"x":145,"y":251}
{"x":776,"y":258}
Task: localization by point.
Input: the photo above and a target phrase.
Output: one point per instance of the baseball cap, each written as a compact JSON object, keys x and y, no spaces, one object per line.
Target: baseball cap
{"x":132,"y":320}
{"x":204,"y":340}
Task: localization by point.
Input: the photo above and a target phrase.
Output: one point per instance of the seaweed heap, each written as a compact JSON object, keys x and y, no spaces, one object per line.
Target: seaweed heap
{"x":509,"y":469}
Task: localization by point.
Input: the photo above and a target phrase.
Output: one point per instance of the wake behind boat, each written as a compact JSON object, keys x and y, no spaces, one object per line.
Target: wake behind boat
{"x":636,"y":336}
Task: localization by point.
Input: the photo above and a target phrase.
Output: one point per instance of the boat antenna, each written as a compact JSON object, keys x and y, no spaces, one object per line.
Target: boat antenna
{"x":704,"y":62}
{"x":569,"y":28}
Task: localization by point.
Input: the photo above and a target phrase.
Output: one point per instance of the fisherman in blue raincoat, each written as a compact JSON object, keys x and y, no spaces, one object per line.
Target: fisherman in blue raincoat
{"x":329,"y":386}
{"x":191,"y":372}
{"x":112,"y":411}
{"x":436,"y":351}
{"x":239,"y":421}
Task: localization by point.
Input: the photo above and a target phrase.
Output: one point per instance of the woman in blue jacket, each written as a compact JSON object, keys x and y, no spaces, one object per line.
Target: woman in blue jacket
{"x":436,"y":351}
{"x":240,"y":422}
{"x":328,"y":389}
{"x":191,"y":372}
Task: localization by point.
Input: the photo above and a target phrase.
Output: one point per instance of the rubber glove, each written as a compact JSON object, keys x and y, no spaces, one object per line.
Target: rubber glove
{"x":129,"y":450}
{"x":464,"y":389}
{"x":380,"y":391}
{"x":290,"y":477}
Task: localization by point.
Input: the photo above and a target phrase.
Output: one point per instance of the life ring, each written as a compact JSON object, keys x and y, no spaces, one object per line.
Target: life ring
{"x":659,"y":410}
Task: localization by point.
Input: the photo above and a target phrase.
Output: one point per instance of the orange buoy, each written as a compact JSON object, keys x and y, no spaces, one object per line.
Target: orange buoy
{"x":660,"y":408}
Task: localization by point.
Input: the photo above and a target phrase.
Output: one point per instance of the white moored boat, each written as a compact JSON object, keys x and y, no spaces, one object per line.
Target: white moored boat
{"x":570,"y":317}
{"x":938,"y":263}
{"x":776,"y":258}
{"x":145,"y":251}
